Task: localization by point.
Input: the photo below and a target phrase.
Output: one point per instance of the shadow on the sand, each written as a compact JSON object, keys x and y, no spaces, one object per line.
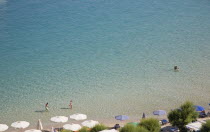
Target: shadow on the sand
{"x":65,"y":108}
{"x":40,"y":111}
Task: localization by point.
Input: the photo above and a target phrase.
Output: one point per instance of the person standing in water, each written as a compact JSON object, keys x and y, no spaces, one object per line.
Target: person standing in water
{"x":70,"y":104}
{"x":46,"y":107}
{"x":176,"y":68}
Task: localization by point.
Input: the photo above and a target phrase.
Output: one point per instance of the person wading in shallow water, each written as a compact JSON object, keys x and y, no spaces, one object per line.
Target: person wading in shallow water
{"x":70,"y":104}
{"x":176,"y":68}
{"x":46,"y":107}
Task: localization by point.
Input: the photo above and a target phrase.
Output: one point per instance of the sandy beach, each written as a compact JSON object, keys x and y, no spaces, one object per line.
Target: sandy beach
{"x":108,"y":123}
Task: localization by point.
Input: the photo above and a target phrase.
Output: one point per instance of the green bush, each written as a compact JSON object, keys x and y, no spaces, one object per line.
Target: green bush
{"x":63,"y":130}
{"x":132,"y":128}
{"x":206,"y":127}
{"x":182,"y":116}
{"x":84,"y":129}
{"x":141,"y":129}
{"x":128,"y":128}
{"x":98,"y":127}
{"x":151,"y":124}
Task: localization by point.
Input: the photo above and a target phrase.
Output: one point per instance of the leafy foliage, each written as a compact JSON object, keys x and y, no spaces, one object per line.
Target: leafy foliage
{"x":151,"y":124}
{"x":206,"y":127}
{"x":128,"y":128}
{"x":84,"y":129}
{"x":98,"y":127}
{"x":182,"y":116}
{"x":66,"y":130}
{"x":141,"y":129}
{"x":132,"y":128}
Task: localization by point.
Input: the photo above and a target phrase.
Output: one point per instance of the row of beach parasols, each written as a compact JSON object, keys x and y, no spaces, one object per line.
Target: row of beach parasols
{"x":63,"y":119}
{"x":78,"y":117}
{"x":20,"y":125}
{"x":74,"y":127}
{"x":125,"y":117}
{"x":57,"y":119}
{"x":156,"y":112}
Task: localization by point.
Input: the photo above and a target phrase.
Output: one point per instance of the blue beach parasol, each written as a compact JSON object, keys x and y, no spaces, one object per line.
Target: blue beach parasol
{"x":121,"y":117}
{"x":199,"y":108}
{"x":159,"y":112}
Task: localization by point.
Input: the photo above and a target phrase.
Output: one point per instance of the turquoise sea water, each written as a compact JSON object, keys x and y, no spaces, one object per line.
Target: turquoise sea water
{"x":110,"y":57}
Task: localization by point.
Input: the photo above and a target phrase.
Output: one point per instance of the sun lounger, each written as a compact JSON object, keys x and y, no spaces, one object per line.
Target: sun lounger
{"x":163,"y":122}
{"x":202,"y":115}
{"x":116,"y":126}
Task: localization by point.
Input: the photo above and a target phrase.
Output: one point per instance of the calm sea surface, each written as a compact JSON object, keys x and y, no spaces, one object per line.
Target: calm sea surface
{"x":110,"y":57}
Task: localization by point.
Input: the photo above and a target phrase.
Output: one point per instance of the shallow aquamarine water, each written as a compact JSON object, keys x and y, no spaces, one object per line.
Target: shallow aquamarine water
{"x":109,"y":56}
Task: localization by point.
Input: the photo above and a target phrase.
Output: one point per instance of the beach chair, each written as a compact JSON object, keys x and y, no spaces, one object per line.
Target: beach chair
{"x":164,"y":122}
{"x":116,"y":126}
{"x":202,"y":115}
